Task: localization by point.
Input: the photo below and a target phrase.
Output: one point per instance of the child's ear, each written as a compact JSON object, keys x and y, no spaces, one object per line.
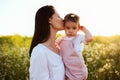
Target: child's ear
{"x":79,"y":26}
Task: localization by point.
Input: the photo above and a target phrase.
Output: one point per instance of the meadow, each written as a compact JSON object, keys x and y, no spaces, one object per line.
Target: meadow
{"x":102,"y":57}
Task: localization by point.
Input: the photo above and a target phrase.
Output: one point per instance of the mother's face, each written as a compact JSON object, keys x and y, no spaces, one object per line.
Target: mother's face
{"x":56,"y":21}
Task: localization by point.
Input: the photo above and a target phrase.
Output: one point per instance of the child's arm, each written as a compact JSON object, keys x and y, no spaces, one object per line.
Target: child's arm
{"x":88,"y":35}
{"x":57,"y":42}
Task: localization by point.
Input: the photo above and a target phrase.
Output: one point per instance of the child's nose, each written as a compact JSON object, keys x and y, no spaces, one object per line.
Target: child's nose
{"x":71,"y":31}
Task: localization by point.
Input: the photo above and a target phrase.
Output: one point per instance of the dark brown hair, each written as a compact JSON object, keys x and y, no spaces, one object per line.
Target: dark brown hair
{"x":42,"y":26}
{"x":71,"y":17}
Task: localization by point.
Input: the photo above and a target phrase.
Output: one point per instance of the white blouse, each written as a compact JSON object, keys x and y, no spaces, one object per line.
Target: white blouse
{"x":45,"y":64}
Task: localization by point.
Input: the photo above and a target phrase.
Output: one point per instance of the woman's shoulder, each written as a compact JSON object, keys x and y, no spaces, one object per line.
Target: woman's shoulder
{"x":38,"y":50}
{"x":38,"y":47}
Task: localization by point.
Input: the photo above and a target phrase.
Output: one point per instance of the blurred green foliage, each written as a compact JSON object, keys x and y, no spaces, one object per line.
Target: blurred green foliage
{"x":14,"y":57}
{"x":102,"y":57}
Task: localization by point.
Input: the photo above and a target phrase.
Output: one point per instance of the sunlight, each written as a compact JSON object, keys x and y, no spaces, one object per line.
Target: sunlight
{"x":17,"y":17}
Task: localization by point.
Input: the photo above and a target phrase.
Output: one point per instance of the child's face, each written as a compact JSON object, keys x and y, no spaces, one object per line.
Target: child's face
{"x":71,"y":28}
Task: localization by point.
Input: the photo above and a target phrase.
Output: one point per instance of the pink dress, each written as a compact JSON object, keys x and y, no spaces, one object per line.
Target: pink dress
{"x":71,"y":52}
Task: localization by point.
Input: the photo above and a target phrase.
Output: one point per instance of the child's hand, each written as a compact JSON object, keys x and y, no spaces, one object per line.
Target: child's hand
{"x":82,"y":28}
{"x":88,"y":35}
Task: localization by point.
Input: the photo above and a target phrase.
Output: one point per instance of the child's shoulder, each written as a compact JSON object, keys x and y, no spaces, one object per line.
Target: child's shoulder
{"x":80,"y":35}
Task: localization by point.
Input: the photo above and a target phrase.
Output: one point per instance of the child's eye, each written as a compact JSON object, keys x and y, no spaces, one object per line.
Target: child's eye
{"x":74,"y":28}
{"x":67,"y":28}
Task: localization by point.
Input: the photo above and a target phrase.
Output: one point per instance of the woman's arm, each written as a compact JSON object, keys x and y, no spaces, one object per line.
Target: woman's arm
{"x":38,"y":65}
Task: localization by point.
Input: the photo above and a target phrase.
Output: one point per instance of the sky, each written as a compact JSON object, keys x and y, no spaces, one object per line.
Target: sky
{"x":101,"y":17}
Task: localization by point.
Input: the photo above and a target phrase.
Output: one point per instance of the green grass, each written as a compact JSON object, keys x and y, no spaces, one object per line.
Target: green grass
{"x":102,"y":57}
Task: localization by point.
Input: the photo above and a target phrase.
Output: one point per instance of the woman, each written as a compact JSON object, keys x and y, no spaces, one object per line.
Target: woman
{"x":45,"y":61}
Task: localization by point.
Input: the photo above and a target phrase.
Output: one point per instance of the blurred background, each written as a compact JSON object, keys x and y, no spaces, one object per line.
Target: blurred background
{"x":100,"y":17}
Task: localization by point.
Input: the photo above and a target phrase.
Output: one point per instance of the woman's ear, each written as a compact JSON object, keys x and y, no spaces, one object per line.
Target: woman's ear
{"x":49,"y":20}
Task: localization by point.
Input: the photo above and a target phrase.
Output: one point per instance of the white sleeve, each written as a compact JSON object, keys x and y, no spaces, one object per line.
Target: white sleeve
{"x":81,"y":38}
{"x":79,"y":43}
{"x":38,"y":65}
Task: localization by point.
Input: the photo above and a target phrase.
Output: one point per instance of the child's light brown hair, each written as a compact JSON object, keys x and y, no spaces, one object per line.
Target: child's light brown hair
{"x":72,"y":17}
